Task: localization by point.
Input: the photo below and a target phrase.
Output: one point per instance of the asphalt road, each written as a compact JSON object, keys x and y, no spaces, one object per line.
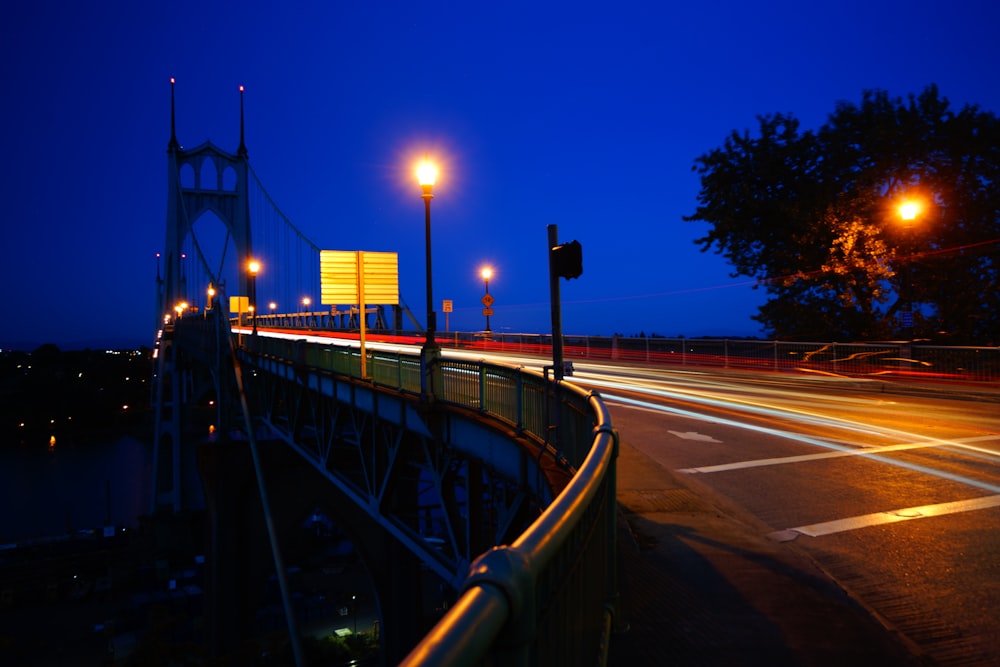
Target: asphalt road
{"x":893,"y":490}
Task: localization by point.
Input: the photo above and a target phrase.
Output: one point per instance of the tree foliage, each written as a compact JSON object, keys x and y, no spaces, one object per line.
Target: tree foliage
{"x":813,"y":216}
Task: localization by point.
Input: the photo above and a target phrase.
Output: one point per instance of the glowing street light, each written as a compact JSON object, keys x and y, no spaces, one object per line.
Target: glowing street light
{"x":908,"y":211}
{"x":487,"y":273}
{"x":253,"y":266}
{"x":305,"y":303}
{"x":426,"y":176}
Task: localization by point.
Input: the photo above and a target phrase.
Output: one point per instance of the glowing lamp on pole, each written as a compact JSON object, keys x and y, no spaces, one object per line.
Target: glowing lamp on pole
{"x":427,"y":176}
{"x":253,"y":268}
{"x":487,"y":300}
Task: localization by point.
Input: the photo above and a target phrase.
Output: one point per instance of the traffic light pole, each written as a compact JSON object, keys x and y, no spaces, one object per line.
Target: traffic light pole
{"x":557,"y":337}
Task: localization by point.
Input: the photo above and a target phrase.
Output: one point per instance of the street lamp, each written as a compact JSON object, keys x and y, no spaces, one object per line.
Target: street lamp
{"x":909,"y":209}
{"x":253,"y":266}
{"x":211,"y":299}
{"x":426,"y":175}
{"x":487,"y":273}
{"x":305,"y":303}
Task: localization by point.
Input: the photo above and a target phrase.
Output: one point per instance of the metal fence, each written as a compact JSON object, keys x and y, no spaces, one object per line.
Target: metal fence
{"x":889,"y":359}
{"x":900,"y":359}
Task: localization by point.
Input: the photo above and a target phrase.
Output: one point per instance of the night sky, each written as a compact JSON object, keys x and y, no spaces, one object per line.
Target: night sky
{"x":585,"y":115}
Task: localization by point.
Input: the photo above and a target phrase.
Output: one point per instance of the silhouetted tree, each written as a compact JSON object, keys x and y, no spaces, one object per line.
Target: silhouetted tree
{"x":813,"y":215}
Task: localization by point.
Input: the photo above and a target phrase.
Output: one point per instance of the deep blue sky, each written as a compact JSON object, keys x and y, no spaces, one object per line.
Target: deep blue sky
{"x":586,"y":115}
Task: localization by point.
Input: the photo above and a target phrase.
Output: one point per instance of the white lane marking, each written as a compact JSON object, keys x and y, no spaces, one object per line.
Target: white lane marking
{"x":870,"y":451}
{"x":892,"y":516}
{"x":693,"y":435}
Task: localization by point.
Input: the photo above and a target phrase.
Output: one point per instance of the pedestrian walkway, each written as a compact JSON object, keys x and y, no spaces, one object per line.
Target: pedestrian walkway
{"x":700,"y":587}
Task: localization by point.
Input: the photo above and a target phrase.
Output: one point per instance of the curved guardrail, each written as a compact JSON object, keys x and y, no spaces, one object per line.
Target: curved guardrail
{"x":549,"y":597}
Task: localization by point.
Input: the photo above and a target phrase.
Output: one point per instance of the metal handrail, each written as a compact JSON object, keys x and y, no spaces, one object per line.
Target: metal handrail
{"x":513,"y":605}
{"x":499,"y":602}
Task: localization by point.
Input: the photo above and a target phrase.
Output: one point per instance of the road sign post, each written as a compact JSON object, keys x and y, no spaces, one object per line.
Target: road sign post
{"x":446,"y":307}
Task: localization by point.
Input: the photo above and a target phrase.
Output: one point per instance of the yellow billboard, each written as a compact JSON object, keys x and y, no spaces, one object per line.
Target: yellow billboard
{"x":352,"y":277}
{"x":239,"y":304}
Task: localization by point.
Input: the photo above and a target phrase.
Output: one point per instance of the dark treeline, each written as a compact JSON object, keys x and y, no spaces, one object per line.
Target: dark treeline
{"x":884,"y":223}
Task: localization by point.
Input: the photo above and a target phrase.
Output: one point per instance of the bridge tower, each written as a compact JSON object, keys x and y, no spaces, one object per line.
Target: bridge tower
{"x":199,"y":180}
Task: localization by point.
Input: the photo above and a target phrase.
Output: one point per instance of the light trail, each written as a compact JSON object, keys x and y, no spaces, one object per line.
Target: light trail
{"x":818,"y":442}
{"x":759,"y":409}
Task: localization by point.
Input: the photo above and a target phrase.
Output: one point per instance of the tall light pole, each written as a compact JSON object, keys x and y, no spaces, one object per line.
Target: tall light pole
{"x":908,"y":212}
{"x":211,"y":299}
{"x":487,"y":273}
{"x":426,"y":175}
{"x":253,"y":266}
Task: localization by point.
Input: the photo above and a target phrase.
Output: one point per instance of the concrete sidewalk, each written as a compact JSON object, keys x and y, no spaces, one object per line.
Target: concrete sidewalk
{"x":700,"y":587}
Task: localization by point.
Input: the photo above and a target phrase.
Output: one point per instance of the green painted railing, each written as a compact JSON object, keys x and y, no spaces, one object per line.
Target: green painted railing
{"x":550,"y":596}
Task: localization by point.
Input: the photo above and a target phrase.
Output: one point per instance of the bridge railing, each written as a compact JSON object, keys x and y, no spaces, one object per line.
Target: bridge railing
{"x":534,"y":602}
{"x":887,"y":359}
{"x":891,"y":359}
{"x":549,"y":597}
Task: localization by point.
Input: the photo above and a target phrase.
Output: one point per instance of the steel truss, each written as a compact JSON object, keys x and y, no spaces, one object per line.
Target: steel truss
{"x":448,"y":484}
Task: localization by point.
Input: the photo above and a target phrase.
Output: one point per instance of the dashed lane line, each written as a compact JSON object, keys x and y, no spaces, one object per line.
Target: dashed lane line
{"x":881,"y":518}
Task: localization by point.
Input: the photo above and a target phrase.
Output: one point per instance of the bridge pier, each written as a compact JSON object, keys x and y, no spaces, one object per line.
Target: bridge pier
{"x":226,"y":471}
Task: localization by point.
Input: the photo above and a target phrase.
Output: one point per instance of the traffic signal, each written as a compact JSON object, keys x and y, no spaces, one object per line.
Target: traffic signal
{"x":566,"y":260}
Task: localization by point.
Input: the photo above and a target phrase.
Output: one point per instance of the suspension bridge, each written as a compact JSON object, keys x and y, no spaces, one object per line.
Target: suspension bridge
{"x":480,"y":497}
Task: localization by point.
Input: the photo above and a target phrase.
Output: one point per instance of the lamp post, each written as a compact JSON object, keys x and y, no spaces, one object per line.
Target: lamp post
{"x":211,"y":299}
{"x":487,"y":273}
{"x":253,"y":266}
{"x":908,"y":212}
{"x":426,"y":175}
